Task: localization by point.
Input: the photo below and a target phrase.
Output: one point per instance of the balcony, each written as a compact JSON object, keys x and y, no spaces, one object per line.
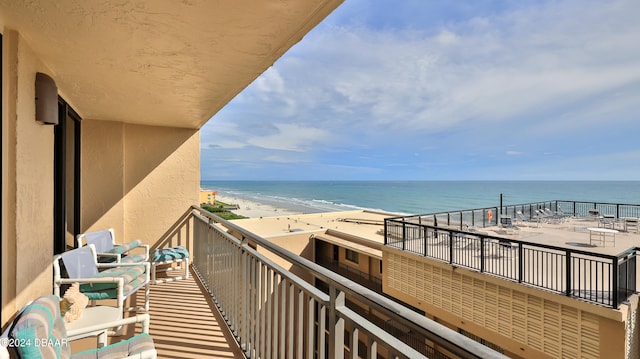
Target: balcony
{"x":271,"y":312}
{"x":187,"y":324}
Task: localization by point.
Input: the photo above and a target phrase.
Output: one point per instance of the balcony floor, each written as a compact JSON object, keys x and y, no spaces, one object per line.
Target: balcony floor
{"x":185,"y":323}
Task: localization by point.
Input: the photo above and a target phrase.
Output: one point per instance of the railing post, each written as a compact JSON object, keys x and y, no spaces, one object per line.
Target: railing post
{"x":336,"y":324}
{"x":615,"y":293}
{"x":244,"y":299}
{"x":568,"y":278}
{"x":404,"y":234}
{"x":425,"y":235}
{"x":482,"y":241}
{"x":450,"y":248}
{"x":520,"y":262}
{"x":384,"y":233}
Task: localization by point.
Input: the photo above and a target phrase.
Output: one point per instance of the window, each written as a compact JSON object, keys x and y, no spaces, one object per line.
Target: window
{"x":66,"y":178}
{"x":351,"y":256}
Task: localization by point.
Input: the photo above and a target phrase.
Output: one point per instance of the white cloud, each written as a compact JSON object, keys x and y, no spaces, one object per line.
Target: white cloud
{"x":283,"y":159}
{"x":290,"y":137}
{"x":564,"y":71}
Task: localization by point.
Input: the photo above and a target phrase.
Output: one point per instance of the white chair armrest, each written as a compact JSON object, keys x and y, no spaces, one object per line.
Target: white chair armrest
{"x":147,"y":265}
{"x":117,"y":256}
{"x":118,"y":280}
{"x":144,"y":319}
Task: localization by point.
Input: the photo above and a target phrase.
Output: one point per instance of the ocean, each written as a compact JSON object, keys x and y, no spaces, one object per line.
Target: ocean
{"x":420,"y":197}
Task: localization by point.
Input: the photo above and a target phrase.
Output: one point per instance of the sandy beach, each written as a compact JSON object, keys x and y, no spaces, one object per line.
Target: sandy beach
{"x":253,"y":209}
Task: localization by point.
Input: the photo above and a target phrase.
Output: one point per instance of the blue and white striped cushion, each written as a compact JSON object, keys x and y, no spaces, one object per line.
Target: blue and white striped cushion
{"x":169,"y":254}
{"x":40,"y":330}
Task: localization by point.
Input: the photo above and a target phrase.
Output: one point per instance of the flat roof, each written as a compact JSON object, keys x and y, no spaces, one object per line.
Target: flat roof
{"x":571,"y":233}
{"x":360,"y":223}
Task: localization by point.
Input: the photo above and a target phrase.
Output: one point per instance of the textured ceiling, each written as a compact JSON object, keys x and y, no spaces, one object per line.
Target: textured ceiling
{"x":159,"y":62}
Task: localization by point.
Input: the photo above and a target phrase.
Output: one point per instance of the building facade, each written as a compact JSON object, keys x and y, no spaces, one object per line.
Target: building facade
{"x":134,"y":87}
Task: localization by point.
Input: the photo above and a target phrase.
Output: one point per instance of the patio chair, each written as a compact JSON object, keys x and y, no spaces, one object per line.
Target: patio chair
{"x":109,"y":251}
{"x":41,"y":333}
{"x":607,"y":222}
{"x":507,"y":222}
{"x":546,"y":217}
{"x":521,"y":217}
{"x":559,"y":216}
{"x":115,"y":281}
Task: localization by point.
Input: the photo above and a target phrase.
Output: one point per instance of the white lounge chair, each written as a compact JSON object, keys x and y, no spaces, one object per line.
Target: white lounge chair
{"x":40,"y":329}
{"x":115,"y":281}
{"x":109,"y":251}
{"x":522,"y":218}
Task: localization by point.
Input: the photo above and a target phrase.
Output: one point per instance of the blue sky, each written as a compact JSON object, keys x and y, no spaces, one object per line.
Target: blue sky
{"x":443,"y":90}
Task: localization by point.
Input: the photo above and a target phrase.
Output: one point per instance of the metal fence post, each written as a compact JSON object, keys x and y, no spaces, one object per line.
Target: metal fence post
{"x":616,"y":268}
{"x":520,"y":262}
{"x":404,"y":234}
{"x":482,"y":241}
{"x":568,"y":279}
{"x":385,"y":231}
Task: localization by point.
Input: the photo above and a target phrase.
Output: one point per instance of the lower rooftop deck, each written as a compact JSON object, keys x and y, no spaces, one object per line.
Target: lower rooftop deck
{"x":571,"y":233}
{"x":587,"y":257}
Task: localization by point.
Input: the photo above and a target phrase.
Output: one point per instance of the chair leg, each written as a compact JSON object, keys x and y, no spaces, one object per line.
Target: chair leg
{"x":153,"y":272}
{"x":147,"y":290}
{"x":186,"y":268}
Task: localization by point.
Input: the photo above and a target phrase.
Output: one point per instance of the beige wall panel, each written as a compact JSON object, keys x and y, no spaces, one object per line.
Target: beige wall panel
{"x":524,"y":321}
{"x":162,"y":179}
{"x":102,"y":173}
{"x":33,"y":189}
{"x":632,"y":342}
{"x":299,"y":244}
{"x":9,"y":95}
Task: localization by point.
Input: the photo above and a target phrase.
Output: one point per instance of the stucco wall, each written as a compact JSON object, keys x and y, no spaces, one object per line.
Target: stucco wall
{"x":297,"y":243}
{"x":28,"y":159}
{"x":137,"y":179}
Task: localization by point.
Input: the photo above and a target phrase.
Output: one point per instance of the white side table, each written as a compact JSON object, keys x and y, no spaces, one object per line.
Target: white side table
{"x":92,"y":316}
{"x":601,"y":235}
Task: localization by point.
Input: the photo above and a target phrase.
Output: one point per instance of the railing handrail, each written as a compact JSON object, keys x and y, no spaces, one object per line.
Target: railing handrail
{"x":444,"y":337}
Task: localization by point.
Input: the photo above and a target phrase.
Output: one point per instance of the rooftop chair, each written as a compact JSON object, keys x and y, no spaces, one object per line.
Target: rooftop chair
{"x":109,"y":251}
{"x":607,"y":222}
{"x":555,"y":215}
{"x":506,"y":225}
{"x":115,"y":281}
{"x":506,"y":222}
{"x":41,"y":333}
{"x":546,"y":217}
{"x":521,"y":217}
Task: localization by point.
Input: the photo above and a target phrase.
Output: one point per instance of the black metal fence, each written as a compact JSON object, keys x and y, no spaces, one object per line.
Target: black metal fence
{"x":490,"y":216}
{"x":598,"y":278}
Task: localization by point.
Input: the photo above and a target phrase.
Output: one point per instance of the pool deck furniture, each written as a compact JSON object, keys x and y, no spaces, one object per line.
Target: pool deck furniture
{"x":165,"y":258}
{"x":92,"y":317}
{"x":601,"y":234}
{"x":631,"y":224}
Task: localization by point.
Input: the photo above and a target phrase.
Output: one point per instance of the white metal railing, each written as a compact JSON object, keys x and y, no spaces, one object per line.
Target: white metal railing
{"x":275,"y":314}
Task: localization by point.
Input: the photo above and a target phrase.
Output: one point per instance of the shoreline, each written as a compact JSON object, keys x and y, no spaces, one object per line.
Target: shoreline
{"x":252,"y":209}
